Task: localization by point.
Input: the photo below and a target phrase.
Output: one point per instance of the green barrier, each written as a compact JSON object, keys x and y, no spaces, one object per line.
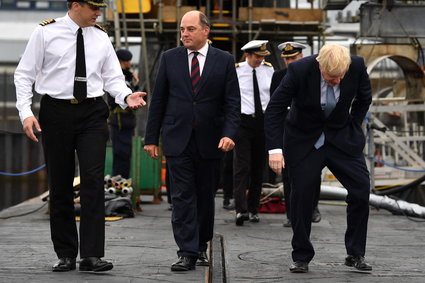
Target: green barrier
{"x":145,"y":172}
{"x":108,"y":160}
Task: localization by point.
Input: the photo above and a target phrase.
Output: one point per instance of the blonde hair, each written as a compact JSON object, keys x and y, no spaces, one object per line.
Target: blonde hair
{"x":334,"y":59}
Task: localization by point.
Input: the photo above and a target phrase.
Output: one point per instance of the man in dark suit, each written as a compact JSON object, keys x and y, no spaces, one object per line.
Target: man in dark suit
{"x":329,"y":95}
{"x":291,"y":52}
{"x":196,"y":104}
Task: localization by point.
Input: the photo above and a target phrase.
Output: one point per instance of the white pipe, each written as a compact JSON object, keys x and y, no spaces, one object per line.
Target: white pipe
{"x":394,"y":206}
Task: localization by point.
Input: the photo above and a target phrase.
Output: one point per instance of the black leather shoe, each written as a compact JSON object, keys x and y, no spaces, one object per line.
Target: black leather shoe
{"x":253,"y":217}
{"x":95,"y":264}
{"x":287,"y":223}
{"x":299,"y":267}
{"x":358,"y":262}
{"x":184,"y":263}
{"x":228,"y":204}
{"x":316,"y":217}
{"x":64,"y":264}
{"x":240,"y":218}
{"x":203,"y":259}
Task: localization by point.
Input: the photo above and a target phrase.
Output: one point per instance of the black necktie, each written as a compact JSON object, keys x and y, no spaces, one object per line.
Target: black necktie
{"x":195,"y":74}
{"x":257,"y":100}
{"x":80,"y":80}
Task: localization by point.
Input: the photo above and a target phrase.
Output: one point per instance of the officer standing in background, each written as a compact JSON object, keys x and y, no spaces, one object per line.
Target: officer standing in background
{"x":254,"y":77}
{"x":122,"y":122}
{"x":71,"y":62}
{"x":291,"y":52}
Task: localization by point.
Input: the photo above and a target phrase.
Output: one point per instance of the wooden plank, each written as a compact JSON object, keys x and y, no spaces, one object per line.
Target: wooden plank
{"x":169,"y":12}
{"x":282,"y":14}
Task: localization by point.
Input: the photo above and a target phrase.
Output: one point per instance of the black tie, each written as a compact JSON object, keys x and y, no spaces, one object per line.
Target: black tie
{"x":80,"y":80}
{"x":257,"y":100}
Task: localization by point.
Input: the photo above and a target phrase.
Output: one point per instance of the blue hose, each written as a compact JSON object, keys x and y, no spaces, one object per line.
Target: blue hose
{"x":23,"y":173}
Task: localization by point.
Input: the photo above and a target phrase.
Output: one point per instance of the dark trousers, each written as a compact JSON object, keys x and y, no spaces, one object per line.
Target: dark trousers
{"x":193,"y":184}
{"x":287,"y":192}
{"x":227,"y":175}
{"x":121,"y":148}
{"x":353,"y":175}
{"x":69,"y":129}
{"x":248,"y":165}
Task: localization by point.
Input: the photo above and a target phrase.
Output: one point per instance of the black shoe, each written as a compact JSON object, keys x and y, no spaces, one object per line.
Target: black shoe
{"x":95,"y":264}
{"x":287,"y":223}
{"x":358,"y":262}
{"x":64,"y":264}
{"x":316,"y":217}
{"x":299,"y":267}
{"x":240,"y":218}
{"x":253,"y":217}
{"x":203,"y":259}
{"x":184,"y":263}
{"x":228,"y":204}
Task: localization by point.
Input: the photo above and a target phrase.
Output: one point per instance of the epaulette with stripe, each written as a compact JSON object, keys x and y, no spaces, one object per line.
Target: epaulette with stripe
{"x":236,"y":65}
{"x":101,"y":28}
{"x":43,"y":23}
{"x":268,"y":64}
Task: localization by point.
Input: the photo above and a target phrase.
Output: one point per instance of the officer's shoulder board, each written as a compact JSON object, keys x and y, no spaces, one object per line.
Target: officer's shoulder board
{"x":268,"y":64}
{"x":101,"y":28}
{"x":236,"y":65}
{"x":44,"y":23}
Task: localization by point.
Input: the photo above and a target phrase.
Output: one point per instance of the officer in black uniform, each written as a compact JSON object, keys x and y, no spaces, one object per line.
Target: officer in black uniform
{"x":122,"y":122}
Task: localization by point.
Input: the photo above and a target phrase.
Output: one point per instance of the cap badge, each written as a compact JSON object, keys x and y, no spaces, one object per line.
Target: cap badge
{"x":288,"y":47}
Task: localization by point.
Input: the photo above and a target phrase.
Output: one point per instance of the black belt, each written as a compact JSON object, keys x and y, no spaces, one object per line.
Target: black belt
{"x":249,"y":116}
{"x":73,"y":101}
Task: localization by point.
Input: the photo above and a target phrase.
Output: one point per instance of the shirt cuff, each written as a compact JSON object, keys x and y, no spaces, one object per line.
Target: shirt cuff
{"x":25,"y":114}
{"x":275,"y":150}
{"x":119,"y":99}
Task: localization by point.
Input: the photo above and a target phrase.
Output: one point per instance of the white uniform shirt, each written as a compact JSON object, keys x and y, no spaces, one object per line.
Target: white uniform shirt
{"x":49,"y":61}
{"x":264,"y":76}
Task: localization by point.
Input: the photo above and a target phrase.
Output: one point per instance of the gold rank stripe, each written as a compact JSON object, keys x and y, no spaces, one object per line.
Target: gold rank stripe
{"x":43,"y":23}
{"x":101,"y":28}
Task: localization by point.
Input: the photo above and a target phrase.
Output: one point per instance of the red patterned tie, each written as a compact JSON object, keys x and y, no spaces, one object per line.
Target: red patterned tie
{"x":195,"y":74}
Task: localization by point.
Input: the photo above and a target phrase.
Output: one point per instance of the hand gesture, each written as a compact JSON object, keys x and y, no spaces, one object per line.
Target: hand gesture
{"x":29,"y":124}
{"x":135,"y":100}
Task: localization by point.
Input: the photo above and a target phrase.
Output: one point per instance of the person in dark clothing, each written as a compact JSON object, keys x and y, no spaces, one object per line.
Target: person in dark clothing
{"x":291,"y":52}
{"x":122,"y":122}
{"x":329,"y":95}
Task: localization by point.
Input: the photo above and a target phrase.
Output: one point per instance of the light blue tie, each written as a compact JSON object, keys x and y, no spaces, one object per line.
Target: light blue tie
{"x":329,"y":106}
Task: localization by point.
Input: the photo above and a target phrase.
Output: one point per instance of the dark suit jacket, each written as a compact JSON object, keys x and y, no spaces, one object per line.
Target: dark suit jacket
{"x":305,"y":121}
{"x":276,"y":79}
{"x":210,"y":115}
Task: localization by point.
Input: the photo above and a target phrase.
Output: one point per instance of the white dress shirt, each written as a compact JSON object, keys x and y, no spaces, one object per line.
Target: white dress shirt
{"x":49,"y":62}
{"x":202,"y":56}
{"x":264,"y":75}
